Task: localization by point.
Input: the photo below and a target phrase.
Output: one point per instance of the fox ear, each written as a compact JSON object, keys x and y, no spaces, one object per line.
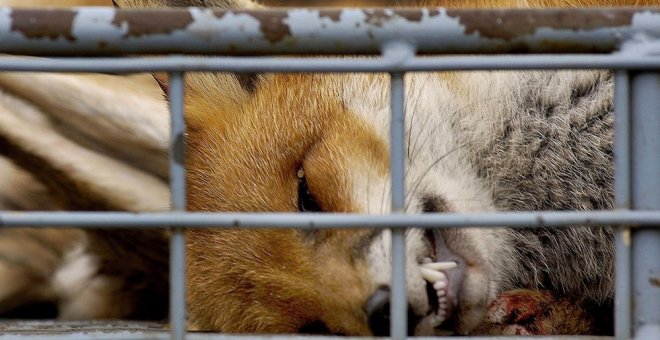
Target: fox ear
{"x":230,"y":89}
{"x":243,"y":4}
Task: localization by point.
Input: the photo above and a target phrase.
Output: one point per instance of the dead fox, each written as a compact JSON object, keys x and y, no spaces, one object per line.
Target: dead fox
{"x":476,"y":141}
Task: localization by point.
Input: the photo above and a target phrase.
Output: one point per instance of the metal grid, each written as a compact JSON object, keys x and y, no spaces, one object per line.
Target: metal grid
{"x":631,"y":39}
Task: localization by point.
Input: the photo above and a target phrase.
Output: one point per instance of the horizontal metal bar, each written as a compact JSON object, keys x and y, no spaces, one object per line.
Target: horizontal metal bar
{"x":210,"y":336}
{"x":289,"y":64}
{"x":121,"y":330}
{"x":206,"y":336}
{"x":323,"y":220}
{"x":107,"y":31}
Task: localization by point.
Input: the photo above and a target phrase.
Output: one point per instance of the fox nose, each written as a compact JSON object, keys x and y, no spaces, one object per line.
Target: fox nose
{"x":378,"y":313}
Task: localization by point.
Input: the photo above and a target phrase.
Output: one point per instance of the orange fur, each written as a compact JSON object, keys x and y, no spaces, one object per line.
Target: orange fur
{"x":277,"y":280}
{"x":240,"y":164}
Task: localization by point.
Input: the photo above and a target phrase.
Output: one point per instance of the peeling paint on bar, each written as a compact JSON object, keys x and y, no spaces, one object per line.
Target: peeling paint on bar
{"x":107,"y":31}
{"x":152,"y":22}
{"x":35,"y":24}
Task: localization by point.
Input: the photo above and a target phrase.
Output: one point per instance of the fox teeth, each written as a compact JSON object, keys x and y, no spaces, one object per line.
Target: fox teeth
{"x":438,"y":265}
{"x":437,"y":320}
{"x":440,"y":285}
{"x":432,"y":275}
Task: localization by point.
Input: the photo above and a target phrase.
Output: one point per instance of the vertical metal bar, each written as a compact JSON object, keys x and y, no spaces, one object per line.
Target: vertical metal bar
{"x":622,"y":139}
{"x":178,"y":193}
{"x":399,"y":304}
{"x":622,"y":241}
{"x":645,"y":171}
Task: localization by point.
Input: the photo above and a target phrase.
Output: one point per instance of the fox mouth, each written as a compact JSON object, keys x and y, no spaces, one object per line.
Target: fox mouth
{"x":443,"y":272}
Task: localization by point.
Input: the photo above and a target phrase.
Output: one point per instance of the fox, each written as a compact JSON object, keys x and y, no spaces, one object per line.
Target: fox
{"x":475,"y":142}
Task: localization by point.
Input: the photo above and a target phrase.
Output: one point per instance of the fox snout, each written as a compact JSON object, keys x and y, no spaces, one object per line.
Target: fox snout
{"x":435,"y":276}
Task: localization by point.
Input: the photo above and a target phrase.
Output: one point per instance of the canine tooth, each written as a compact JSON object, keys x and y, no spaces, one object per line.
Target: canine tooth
{"x":432,"y":275}
{"x":439,"y":285}
{"x":439,"y":265}
{"x":436,"y":321}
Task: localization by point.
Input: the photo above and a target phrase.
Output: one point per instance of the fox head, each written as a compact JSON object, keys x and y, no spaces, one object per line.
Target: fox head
{"x":319,"y":143}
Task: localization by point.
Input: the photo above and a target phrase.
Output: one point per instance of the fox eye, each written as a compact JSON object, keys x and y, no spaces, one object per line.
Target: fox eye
{"x":306,"y":202}
{"x":315,"y":327}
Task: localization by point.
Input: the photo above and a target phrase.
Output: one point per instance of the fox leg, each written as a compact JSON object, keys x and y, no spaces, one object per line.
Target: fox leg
{"x":538,"y":312}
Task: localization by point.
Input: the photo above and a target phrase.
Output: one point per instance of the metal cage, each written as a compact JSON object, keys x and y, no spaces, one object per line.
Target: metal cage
{"x":401,"y":40}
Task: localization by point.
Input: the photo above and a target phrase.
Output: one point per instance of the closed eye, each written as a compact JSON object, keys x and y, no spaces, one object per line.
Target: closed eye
{"x":306,"y":201}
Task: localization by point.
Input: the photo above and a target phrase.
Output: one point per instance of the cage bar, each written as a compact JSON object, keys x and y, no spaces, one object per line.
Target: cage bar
{"x":645,"y":170}
{"x":622,"y":241}
{"x":399,"y":302}
{"x":533,"y":219}
{"x":178,"y":197}
{"x":294,"y":64}
{"x":107,"y":31}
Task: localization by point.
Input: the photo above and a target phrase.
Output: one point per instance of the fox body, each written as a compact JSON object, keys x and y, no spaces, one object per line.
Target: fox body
{"x":466,"y":153}
{"x":479,"y":141}
{"x":475,"y":141}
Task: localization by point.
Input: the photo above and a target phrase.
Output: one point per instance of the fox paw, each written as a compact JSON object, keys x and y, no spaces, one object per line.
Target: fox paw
{"x":533,"y":312}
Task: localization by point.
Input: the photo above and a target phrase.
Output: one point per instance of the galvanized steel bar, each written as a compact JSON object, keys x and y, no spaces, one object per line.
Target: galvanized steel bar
{"x":399,"y":303}
{"x":645,"y":172}
{"x":293,"y":64}
{"x":178,"y":193}
{"x":623,"y":273}
{"x":292,"y":220}
{"x":107,"y":31}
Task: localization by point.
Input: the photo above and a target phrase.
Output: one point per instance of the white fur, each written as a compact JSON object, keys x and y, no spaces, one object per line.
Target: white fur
{"x":82,"y":293}
{"x":74,"y":273}
{"x":436,"y":164}
{"x":131,"y":121}
{"x":127,"y":187}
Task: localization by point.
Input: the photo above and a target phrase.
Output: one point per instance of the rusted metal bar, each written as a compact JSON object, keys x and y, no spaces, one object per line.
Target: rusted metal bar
{"x":107,"y":31}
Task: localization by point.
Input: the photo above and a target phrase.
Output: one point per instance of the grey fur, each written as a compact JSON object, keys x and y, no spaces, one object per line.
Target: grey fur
{"x":554,"y":152}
